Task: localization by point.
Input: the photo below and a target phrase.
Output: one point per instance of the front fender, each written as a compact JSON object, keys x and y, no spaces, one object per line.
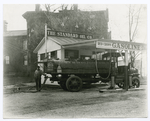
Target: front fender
{"x":135,"y":75}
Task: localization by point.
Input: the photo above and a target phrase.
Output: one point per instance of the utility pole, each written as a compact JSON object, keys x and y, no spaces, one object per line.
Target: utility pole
{"x":45,"y":40}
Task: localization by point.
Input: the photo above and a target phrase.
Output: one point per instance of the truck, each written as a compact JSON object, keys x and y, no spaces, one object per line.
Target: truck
{"x":73,"y":74}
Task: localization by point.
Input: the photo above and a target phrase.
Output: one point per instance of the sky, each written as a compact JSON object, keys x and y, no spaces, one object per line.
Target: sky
{"x":12,"y":13}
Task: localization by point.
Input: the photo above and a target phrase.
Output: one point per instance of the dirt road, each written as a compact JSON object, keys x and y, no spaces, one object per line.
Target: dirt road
{"x":53,"y":102}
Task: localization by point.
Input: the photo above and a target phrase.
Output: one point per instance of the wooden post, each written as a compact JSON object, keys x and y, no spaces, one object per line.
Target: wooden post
{"x":112,"y":81}
{"x":130,"y":80}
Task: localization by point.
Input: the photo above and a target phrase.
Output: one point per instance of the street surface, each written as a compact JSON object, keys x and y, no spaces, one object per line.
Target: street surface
{"x":53,"y":102}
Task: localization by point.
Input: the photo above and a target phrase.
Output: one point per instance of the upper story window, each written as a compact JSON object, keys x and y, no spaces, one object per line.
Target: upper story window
{"x":7,"y":60}
{"x":25,"y":60}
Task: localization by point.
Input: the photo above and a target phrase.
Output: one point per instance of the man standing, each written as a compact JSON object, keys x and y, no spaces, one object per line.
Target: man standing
{"x":37,"y":77}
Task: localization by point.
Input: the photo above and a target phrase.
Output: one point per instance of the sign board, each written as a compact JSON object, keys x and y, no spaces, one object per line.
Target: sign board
{"x":68,"y":34}
{"x":120,"y":45}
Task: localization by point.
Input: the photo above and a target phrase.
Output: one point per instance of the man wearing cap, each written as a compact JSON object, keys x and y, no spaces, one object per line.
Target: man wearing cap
{"x":37,"y":76}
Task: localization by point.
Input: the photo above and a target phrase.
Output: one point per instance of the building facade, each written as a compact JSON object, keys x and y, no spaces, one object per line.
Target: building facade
{"x":15,"y":52}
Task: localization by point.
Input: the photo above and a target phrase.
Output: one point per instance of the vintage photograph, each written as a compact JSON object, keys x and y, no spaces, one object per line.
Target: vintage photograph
{"x":75,"y":61}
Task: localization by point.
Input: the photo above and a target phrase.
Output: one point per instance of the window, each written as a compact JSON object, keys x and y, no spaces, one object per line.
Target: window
{"x":108,"y":58}
{"x":42,"y":56}
{"x":97,"y":55}
{"x":7,"y":59}
{"x":54,"y":54}
{"x":73,"y":54}
{"x":49,"y":55}
{"x":25,"y":60}
{"x":25,"y":45}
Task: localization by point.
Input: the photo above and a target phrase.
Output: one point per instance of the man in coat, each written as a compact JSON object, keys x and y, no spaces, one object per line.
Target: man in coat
{"x":37,"y":76}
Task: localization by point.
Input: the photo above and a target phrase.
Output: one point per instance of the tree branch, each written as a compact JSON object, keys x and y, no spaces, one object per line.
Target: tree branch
{"x":137,"y":22}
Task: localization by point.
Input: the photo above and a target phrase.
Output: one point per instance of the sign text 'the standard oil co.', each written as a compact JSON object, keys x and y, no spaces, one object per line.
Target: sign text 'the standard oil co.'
{"x":67,"y":34}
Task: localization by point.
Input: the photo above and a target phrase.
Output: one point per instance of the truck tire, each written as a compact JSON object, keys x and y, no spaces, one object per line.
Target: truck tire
{"x":63,"y":85}
{"x":74,"y":84}
{"x":135,"y":82}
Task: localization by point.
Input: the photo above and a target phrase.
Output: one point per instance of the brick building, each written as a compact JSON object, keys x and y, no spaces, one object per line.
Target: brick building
{"x":93,"y":23}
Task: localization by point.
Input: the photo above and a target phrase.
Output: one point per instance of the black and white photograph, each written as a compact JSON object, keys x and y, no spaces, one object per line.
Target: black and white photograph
{"x":75,"y":60}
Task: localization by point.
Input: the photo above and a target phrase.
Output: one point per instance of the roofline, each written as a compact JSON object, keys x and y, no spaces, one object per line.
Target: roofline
{"x":42,"y":42}
{"x":25,"y":15}
{"x":105,"y":40}
{"x":14,"y":35}
{"x":39,"y":45}
{"x":9,"y":35}
{"x":84,"y":42}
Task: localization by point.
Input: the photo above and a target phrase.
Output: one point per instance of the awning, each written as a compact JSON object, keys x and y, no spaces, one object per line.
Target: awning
{"x":108,"y":44}
{"x":99,"y":44}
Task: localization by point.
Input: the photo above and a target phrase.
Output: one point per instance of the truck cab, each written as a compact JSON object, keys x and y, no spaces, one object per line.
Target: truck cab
{"x":118,"y":69}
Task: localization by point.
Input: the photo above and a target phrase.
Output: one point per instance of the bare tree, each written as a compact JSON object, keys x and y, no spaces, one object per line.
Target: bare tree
{"x":134,"y":18}
{"x":134,"y":21}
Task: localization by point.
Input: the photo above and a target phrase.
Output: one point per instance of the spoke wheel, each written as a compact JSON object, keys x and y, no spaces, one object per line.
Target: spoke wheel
{"x":63,"y":85}
{"x":135,"y":82}
{"x":74,"y":84}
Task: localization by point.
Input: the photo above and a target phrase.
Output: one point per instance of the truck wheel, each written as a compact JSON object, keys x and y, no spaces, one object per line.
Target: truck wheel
{"x":74,"y":84}
{"x":63,"y":85}
{"x":135,"y":82}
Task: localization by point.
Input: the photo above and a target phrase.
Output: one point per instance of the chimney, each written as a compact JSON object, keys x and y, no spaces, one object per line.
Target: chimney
{"x":37,"y":7}
{"x":75,"y":7}
{"x":5,"y":25}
